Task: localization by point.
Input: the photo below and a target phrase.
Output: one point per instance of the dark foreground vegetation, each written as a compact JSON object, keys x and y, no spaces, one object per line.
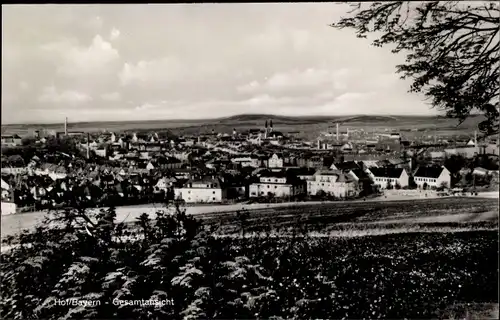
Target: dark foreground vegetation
{"x":412,"y":275}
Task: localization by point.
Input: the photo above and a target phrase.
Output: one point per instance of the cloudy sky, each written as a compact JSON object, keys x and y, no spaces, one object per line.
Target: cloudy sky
{"x":131,"y":62}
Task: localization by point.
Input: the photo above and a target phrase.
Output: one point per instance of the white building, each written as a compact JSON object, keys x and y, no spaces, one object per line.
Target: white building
{"x":332,"y":182}
{"x":432,"y":177}
{"x":246,"y":161}
{"x":275,"y":161}
{"x":278,"y":185}
{"x":467,"y":152}
{"x":205,"y":190}
{"x":382,"y":177}
{"x":164,"y":183}
{"x":8,"y":208}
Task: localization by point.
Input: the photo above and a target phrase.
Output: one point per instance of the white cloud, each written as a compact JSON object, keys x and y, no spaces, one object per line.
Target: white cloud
{"x":75,"y":60}
{"x":111,"y":96}
{"x":154,"y":71}
{"x":52,"y":95}
{"x":146,"y":106}
{"x":308,"y":78}
{"x":115,"y":34}
{"x":23,"y":85}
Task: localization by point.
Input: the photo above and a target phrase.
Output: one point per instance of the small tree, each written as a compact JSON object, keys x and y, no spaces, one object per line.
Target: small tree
{"x":397,"y":186}
{"x":444,"y":185}
{"x":425,"y":186}
{"x":321,"y":194}
{"x":389,"y":185}
{"x":411,"y":183}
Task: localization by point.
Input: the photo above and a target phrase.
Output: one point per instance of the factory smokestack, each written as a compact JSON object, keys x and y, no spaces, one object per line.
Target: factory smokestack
{"x":337,"y":131}
{"x":66,"y":126}
{"x":88,"y":145}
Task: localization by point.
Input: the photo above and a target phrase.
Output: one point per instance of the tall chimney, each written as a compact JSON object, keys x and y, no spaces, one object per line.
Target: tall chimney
{"x":337,"y":131}
{"x":66,"y":126}
{"x":319,"y":144}
{"x":88,"y":145}
{"x":475,"y":138}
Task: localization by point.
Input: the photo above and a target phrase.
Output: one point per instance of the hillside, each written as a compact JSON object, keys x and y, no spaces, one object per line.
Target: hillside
{"x":309,"y":124}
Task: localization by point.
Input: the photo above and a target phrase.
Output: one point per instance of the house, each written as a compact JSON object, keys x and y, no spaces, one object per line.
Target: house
{"x":205,"y":190}
{"x":332,"y":182}
{"x":384,"y":177}
{"x":345,"y":166}
{"x":101,"y":151}
{"x":468,"y":151}
{"x":251,"y":161}
{"x":432,"y":176}
{"x":315,"y":162}
{"x":480,"y":171}
{"x":303,"y":173}
{"x":277,"y":184}
{"x":275,"y":161}
{"x":150,"y":166}
{"x":164,"y":184}
{"x":437,"y":155}
{"x":347,"y":147}
{"x":362,"y":178}
{"x":236,"y":187}
{"x":11,"y":140}
{"x":6,"y":191}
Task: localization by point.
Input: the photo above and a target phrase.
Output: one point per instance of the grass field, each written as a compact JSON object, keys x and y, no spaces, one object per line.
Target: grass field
{"x":360,"y":217}
{"x":307,"y":126}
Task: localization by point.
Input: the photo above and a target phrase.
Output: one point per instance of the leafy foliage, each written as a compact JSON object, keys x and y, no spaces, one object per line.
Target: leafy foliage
{"x":89,"y":256}
{"x":452,"y":50}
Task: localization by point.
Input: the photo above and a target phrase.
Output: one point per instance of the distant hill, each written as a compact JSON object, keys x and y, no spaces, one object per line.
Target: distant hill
{"x":367,"y":119}
{"x":275,"y":118}
{"x":246,"y":121}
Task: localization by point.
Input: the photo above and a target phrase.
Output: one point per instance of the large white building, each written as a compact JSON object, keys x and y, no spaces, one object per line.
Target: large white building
{"x":432,"y":177}
{"x":383,"y":177}
{"x":332,"y":182}
{"x":277,"y":184}
{"x":204,"y":190}
{"x":275,"y":161}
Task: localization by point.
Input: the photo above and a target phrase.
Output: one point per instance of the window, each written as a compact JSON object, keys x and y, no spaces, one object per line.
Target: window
{"x":213,"y":192}
{"x":268,"y":186}
{"x":213,"y":198}
{"x":189,"y":191}
{"x":275,"y":187}
{"x":275,"y":180}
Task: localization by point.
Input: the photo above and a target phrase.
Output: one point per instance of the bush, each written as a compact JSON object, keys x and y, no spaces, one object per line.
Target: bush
{"x":175,"y":259}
